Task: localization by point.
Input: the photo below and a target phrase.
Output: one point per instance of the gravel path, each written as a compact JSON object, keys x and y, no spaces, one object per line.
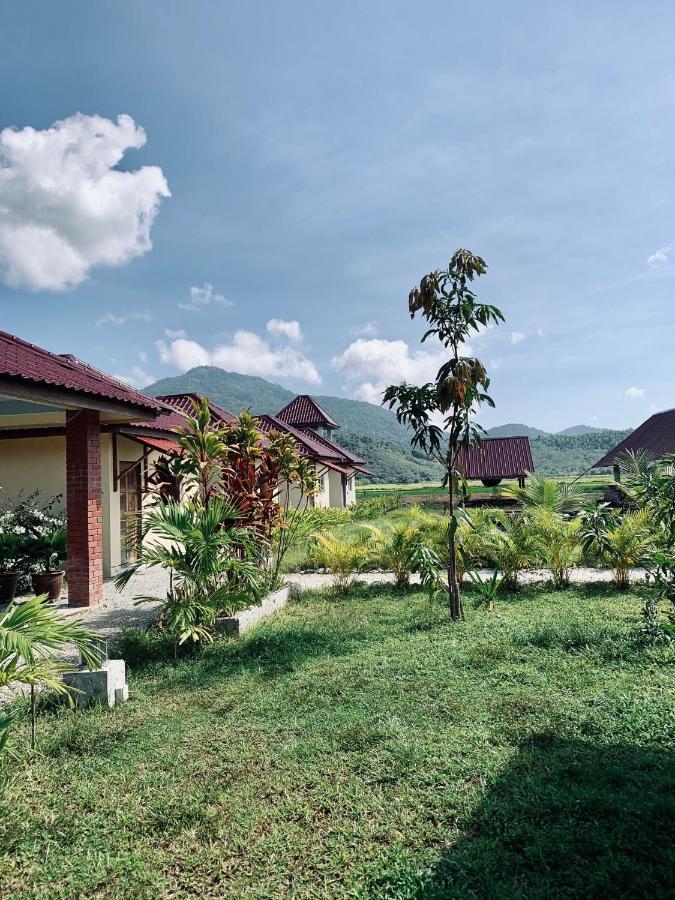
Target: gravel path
{"x":582,"y":575}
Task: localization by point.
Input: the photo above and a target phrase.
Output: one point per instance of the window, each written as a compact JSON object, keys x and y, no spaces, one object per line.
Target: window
{"x":322,"y":483}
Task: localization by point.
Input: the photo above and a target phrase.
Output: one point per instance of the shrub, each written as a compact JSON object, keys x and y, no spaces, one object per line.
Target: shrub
{"x":344,"y":557}
{"x":374,"y":507}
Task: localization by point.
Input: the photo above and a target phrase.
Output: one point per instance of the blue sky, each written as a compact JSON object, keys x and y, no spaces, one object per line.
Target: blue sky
{"x":320,"y":158}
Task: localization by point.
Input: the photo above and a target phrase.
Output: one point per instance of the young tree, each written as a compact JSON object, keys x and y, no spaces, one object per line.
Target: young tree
{"x":445,"y":299}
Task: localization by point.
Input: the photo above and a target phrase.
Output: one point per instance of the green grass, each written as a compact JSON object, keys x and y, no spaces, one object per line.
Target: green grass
{"x":365,"y":748}
{"x":591,"y":485}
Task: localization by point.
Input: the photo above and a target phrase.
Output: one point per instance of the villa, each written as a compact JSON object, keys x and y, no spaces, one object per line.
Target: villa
{"x":69,"y":429}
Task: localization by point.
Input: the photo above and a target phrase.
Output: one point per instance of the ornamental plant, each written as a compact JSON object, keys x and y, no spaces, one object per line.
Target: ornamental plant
{"x":446,"y":300}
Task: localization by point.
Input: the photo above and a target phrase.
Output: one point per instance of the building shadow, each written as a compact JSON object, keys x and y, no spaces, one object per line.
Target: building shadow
{"x":568,"y":819}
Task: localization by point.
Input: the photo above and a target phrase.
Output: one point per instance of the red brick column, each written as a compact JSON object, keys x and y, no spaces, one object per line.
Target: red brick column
{"x":83,"y":508}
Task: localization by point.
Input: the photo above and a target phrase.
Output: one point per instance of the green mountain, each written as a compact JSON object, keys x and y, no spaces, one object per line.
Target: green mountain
{"x":368,"y":430}
{"x":515,"y":429}
{"x":581,"y":429}
{"x":229,"y":389}
{"x":572,"y":454}
{"x":374,"y":433}
{"x":236,"y":392}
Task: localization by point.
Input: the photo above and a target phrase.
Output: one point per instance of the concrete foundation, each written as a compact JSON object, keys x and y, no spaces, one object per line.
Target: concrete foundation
{"x":106,"y":685}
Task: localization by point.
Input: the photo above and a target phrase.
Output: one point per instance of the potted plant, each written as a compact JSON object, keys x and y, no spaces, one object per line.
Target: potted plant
{"x":10,"y":553}
{"x":45,"y":552}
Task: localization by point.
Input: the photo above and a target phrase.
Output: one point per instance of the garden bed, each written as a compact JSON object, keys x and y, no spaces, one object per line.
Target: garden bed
{"x":239,"y":624}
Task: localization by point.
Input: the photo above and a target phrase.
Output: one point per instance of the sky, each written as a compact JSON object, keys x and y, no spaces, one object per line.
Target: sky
{"x":258,"y":185}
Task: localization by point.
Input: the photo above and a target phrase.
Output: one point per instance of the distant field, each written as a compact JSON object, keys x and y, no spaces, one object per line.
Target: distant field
{"x":589,"y":484}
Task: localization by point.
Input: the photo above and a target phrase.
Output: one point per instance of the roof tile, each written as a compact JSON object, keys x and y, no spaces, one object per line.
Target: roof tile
{"x":506,"y":457}
{"x":26,"y":362}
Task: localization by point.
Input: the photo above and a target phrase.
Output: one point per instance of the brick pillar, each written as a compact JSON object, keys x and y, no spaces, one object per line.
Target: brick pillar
{"x":83,"y":508}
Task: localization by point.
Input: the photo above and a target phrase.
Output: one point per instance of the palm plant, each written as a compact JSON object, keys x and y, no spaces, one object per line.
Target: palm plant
{"x":213,"y":564}
{"x":487,"y":590}
{"x":620,"y":541}
{"x":398,"y":546}
{"x":473,"y":539}
{"x":344,"y":557}
{"x":559,"y":543}
{"x":511,"y":545}
{"x":31,"y":634}
{"x":546,"y":493}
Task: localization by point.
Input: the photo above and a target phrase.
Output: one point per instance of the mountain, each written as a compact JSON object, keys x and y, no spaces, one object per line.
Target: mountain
{"x":516,"y":429}
{"x":368,"y":430}
{"x":374,"y":433}
{"x":575,"y":430}
{"x":229,"y":389}
{"x":572,"y":454}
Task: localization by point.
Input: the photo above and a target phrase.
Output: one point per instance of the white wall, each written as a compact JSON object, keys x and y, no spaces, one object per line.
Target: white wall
{"x":322,"y":497}
{"x":336,"y":492}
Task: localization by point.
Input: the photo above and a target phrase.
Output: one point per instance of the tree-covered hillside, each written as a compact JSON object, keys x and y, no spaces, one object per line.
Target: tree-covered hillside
{"x":515,"y":429}
{"x":564,"y":454}
{"x":374,"y":433}
{"x":391,"y":462}
{"x":229,"y":389}
{"x":236,"y":392}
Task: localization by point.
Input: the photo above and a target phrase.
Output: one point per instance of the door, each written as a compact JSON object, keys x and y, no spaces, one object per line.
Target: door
{"x":130,"y":510}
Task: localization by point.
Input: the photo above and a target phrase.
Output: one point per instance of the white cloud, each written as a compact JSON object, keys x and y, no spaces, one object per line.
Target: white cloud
{"x":247,"y":353}
{"x":517,"y":337}
{"x":371,"y":365}
{"x":635,"y":393}
{"x":175,"y":333}
{"x":64,"y":207}
{"x":370,"y":329}
{"x":201,"y":297}
{"x":659,"y":257}
{"x":121,"y":319}
{"x":136,"y":378}
{"x":290,"y":330}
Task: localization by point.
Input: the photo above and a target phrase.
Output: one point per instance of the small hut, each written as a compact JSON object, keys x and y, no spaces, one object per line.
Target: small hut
{"x":496,"y":458}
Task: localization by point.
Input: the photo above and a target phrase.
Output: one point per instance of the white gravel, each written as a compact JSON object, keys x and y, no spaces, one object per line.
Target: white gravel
{"x":581,"y":575}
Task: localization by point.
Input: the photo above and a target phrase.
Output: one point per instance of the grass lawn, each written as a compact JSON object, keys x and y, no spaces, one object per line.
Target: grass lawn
{"x":366,"y":748}
{"x":590,"y":485}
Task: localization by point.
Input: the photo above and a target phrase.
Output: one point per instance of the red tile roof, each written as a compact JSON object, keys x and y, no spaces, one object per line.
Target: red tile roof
{"x":347,"y":454}
{"x":304,"y":410}
{"x":22,"y":361}
{"x":507,"y":457}
{"x":184,"y":403}
{"x":656,"y":436}
{"x":308,"y":445}
{"x":169,"y":421}
{"x":162,"y":445}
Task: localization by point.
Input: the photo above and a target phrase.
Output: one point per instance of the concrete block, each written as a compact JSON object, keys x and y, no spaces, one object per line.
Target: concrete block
{"x":247,"y":618}
{"x":106,"y":685}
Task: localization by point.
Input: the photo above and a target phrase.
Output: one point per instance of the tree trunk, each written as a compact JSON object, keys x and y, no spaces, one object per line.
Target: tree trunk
{"x":456,"y":608}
